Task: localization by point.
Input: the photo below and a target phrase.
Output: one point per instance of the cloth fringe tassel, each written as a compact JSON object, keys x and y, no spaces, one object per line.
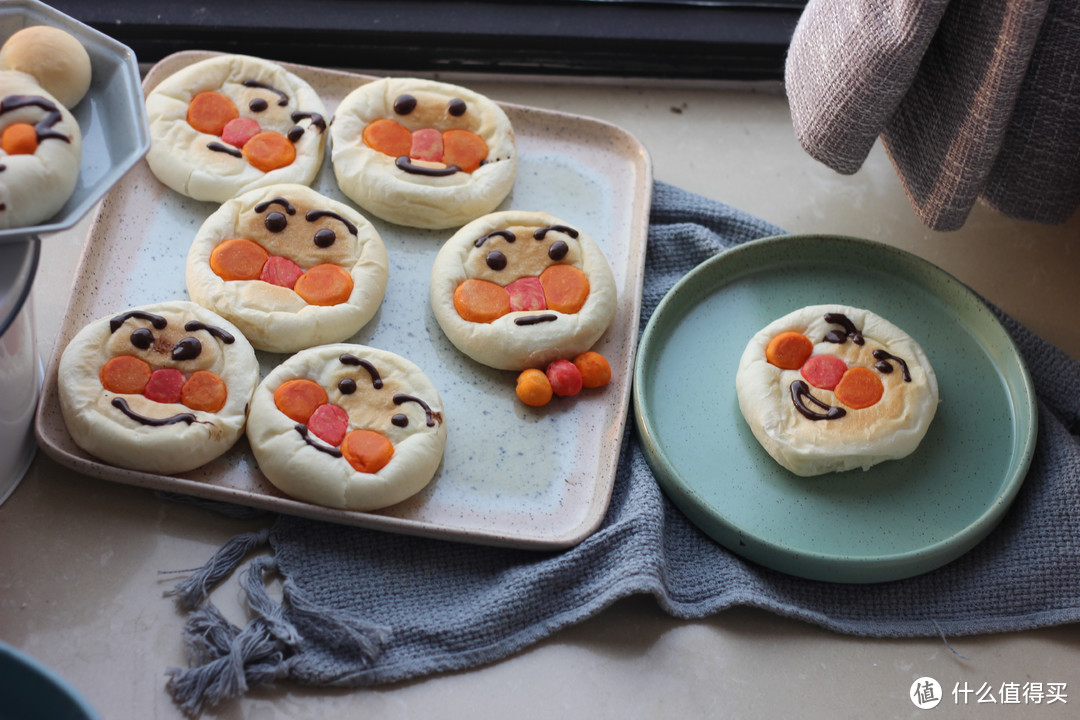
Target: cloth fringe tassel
{"x":226,"y":660}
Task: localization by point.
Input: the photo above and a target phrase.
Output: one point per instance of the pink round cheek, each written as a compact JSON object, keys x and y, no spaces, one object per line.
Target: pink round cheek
{"x":824,"y":371}
{"x":329,"y":423}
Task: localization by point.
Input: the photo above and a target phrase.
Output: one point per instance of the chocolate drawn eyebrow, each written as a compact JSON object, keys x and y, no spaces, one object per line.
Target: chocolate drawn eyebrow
{"x":505,"y":234}
{"x":221,"y":334}
{"x":283,"y":99}
{"x":313,"y":215}
{"x":542,"y":232}
{"x":285,"y":205}
{"x":155,"y":320}
{"x":431,"y":416}
{"x":350,"y":359}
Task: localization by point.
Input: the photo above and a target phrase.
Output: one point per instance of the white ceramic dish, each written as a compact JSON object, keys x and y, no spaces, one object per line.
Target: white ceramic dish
{"x":511,"y":475}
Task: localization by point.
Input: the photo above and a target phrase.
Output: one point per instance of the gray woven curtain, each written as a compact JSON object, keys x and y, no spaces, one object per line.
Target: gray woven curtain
{"x":972,"y":99}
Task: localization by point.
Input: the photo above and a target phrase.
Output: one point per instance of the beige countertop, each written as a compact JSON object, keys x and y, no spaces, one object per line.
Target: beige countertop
{"x":84,"y":563}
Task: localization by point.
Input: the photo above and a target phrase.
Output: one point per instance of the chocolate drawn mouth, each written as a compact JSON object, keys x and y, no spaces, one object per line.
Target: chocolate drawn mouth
{"x":535,"y":319}
{"x":405,"y":164}
{"x":122,"y":406}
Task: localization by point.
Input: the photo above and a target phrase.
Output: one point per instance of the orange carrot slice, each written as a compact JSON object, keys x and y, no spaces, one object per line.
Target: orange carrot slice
{"x":238,"y":259}
{"x":481,"y":301}
{"x":824,"y":371}
{"x":209,"y":112}
{"x":859,"y":388}
{"x":325,"y":284}
{"x":533,"y":388}
{"x":19,"y":139}
{"x":464,"y":148}
{"x":299,"y":398}
{"x":125,"y":374}
{"x":204,"y":391}
{"x":789,"y":350}
{"x":269,"y":151}
{"x":594,"y":367}
{"x":565,"y":287}
{"x":367,"y":451}
{"x":388,"y":136}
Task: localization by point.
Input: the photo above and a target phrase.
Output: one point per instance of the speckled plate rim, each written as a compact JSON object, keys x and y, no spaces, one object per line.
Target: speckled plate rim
{"x":723,"y":268}
{"x":527,"y":527}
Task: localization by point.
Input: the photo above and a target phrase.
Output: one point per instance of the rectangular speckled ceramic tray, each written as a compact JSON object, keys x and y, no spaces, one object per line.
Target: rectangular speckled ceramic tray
{"x":511,"y":475}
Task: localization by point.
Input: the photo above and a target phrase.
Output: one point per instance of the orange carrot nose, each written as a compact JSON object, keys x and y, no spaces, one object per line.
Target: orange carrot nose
{"x":367,"y":451}
{"x":19,"y":139}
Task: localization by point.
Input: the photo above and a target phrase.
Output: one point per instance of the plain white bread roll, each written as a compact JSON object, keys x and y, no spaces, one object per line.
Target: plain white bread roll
{"x":831,"y":436}
{"x":55,"y":58}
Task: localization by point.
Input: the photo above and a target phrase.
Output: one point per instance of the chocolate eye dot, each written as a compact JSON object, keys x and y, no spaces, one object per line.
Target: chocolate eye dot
{"x":187,"y":349}
{"x":558,"y":250}
{"x":142,"y":338}
{"x":401,"y":420}
{"x":456,"y":107}
{"x":496,"y":260}
{"x":275,"y":222}
{"x":258,"y":105}
{"x":347,"y":386}
{"x":404,"y":104}
{"x":325,"y":238}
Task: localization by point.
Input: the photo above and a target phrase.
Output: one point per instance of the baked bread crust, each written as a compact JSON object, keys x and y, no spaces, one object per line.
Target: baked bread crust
{"x":117,"y":437}
{"x":512,"y":342}
{"x":890,"y":429}
{"x":302,"y":470}
{"x":373,"y":180}
{"x":275,"y":318}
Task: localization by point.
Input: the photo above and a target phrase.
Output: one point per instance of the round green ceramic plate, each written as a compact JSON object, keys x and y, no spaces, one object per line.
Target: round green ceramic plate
{"x":895,"y":520}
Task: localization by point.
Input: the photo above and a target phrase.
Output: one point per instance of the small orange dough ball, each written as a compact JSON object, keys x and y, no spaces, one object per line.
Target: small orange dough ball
{"x":534,"y":388}
{"x":595,"y":369}
{"x":19,"y":139}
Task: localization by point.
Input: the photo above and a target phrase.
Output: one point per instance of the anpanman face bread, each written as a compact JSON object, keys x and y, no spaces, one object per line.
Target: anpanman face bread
{"x":347,"y":426}
{"x":231,"y":123}
{"x":829,"y":388}
{"x":161,"y":388}
{"x":422,"y":153}
{"x":291,"y":267}
{"x":516,"y":290}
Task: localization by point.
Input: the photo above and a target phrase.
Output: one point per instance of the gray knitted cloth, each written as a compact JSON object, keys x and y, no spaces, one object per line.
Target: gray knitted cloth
{"x":972,"y":100}
{"x":363,"y":607}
